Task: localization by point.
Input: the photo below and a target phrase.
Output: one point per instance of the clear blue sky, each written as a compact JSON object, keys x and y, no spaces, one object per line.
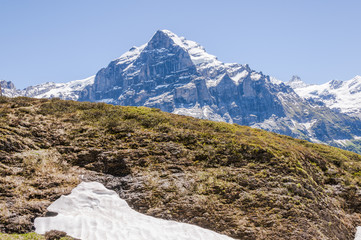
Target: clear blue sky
{"x":64,"y":40}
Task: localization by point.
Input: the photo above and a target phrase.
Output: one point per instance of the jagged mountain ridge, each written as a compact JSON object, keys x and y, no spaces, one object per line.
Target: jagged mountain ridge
{"x":67,"y":91}
{"x":8,"y":89}
{"x":177,"y":75}
{"x":343,"y":96}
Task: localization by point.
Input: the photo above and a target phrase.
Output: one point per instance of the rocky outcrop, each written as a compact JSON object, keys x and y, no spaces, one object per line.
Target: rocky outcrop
{"x":8,"y":89}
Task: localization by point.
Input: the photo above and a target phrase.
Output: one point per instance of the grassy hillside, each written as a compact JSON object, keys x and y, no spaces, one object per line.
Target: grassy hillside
{"x":243,"y":182}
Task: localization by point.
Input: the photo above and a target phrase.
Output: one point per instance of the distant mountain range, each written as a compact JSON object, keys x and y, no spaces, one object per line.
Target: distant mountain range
{"x":68,"y":91}
{"x":342,"y":96}
{"x":177,"y":75}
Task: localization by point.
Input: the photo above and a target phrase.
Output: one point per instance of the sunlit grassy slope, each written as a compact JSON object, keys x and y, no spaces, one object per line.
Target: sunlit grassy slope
{"x":243,"y":182}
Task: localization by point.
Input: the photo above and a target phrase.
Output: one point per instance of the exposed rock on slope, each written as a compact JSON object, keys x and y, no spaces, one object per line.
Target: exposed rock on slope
{"x":242,"y":182}
{"x":92,"y":212}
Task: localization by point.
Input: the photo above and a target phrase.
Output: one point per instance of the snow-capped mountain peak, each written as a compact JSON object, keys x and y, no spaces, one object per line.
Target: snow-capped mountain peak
{"x":354,"y":83}
{"x":197,"y":52}
{"x":131,"y":55}
{"x":206,"y":63}
{"x":341,"y":95}
{"x":296,"y":82}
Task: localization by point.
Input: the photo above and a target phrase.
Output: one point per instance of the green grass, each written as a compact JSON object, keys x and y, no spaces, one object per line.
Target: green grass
{"x":27,"y":236}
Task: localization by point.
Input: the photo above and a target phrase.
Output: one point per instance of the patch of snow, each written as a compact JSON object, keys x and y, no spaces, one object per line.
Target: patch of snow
{"x":162,"y":86}
{"x":165,"y":97}
{"x":342,"y":142}
{"x":239,"y":76}
{"x":131,"y":55}
{"x":358,"y":233}
{"x":92,"y":212}
{"x":308,"y":125}
{"x":205,"y":112}
{"x":214,"y":82}
{"x":314,"y":140}
{"x":106,"y":100}
{"x":268,"y":124}
{"x":255,"y":76}
{"x":275,"y":80}
{"x":296,"y":82}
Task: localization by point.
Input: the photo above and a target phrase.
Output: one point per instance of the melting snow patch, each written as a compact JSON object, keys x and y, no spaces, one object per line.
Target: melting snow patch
{"x":255,"y":76}
{"x":358,"y":233}
{"x":240,"y":75}
{"x":106,"y":100}
{"x":93,"y":212}
{"x":342,"y":142}
{"x":197,"y":111}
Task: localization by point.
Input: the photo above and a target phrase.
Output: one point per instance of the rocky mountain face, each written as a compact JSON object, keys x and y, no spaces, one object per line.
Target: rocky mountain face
{"x":296,"y":82}
{"x":177,"y":75}
{"x":9,"y":89}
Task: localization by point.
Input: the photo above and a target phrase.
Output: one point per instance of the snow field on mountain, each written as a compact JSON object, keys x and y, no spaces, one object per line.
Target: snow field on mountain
{"x":62,"y":90}
{"x":92,"y":212}
{"x":343,"y":95}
